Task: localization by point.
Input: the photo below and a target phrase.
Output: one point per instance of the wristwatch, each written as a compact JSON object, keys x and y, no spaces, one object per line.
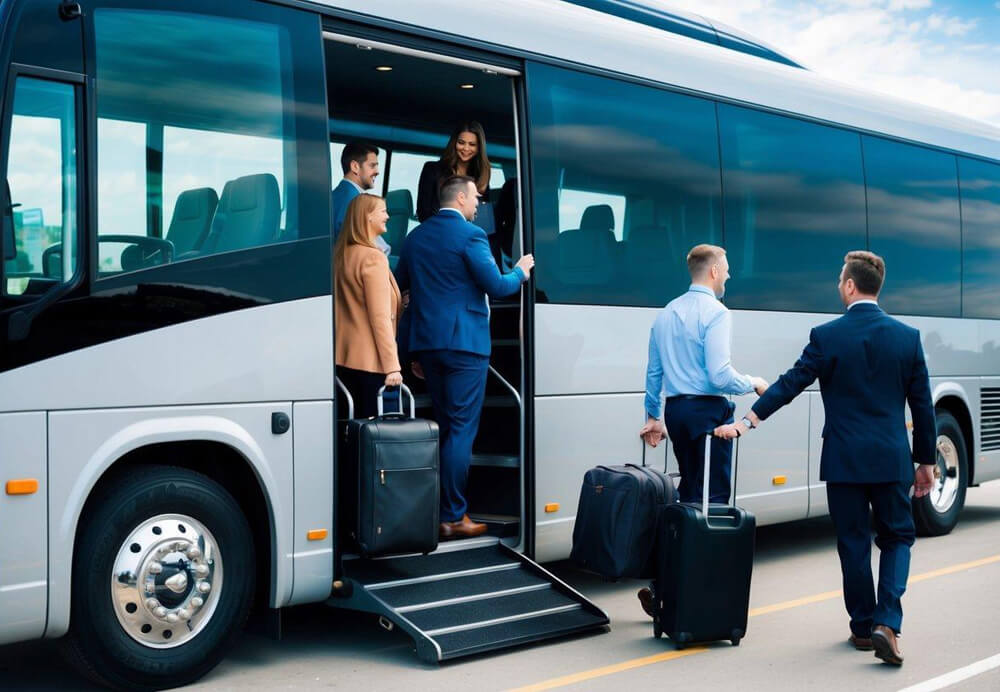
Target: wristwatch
{"x":747,"y":422}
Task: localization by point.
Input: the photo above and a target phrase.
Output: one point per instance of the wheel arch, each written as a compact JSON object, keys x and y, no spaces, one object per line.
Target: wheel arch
{"x":216,"y":447}
{"x":952,"y":398}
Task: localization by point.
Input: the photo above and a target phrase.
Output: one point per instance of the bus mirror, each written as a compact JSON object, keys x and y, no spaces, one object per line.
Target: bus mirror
{"x":7,"y":239}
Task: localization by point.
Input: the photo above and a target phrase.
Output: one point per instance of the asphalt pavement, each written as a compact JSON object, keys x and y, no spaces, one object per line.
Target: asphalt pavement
{"x":796,"y":638}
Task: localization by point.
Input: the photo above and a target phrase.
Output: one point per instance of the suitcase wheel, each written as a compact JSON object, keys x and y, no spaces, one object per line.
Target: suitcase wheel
{"x":735,"y":641}
{"x":736,"y":636}
{"x":681,"y":639}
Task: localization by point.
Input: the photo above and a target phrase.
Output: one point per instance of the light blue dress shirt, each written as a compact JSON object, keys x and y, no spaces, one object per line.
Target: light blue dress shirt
{"x":689,"y":347}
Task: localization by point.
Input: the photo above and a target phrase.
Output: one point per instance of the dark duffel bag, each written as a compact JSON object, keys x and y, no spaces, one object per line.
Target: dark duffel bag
{"x":390,"y":485}
{"x":702,"y":591}
{"x":617,"y":518}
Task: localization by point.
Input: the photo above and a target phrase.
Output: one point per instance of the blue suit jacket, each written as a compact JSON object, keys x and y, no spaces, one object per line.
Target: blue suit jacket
{"x":868,"y":365}
{"x":447,"y":267}
{"x":339,"y":199}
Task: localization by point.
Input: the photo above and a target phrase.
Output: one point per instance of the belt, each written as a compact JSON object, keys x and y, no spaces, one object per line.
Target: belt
{"x":707,"y":397}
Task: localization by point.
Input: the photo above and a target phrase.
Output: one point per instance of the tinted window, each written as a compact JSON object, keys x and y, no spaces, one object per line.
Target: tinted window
{"x":795,"y":205}
{"x":980,"y":183}
{"x":40,"y":225}
{"x":199,"y":147}
{"x":913,"y":221}
{"x":626,"y":182}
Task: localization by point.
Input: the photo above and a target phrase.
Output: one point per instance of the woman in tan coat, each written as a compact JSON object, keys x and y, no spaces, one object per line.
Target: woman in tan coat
{"x":366,"y":306}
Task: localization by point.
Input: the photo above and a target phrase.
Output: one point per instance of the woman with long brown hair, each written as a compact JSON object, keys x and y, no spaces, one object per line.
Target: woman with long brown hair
{"x":465,"y":154}
{"x":366,"y":306}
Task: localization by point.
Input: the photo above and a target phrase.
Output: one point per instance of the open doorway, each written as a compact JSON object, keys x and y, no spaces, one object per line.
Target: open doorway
{"x":406,"y":103}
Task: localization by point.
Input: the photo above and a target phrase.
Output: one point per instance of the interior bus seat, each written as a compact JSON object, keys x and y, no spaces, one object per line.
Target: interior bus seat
{"x":192,"y":219}
{"x":588,"y":255}
{"x":247,"y":215}
{"x":399,"y":205}
{"x":648,"y":254}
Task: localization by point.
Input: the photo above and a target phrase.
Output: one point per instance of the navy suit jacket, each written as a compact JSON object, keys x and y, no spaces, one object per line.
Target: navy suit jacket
{"x":447,"y":267}
{"x":340,"y":197}
{"x":868,"y":365}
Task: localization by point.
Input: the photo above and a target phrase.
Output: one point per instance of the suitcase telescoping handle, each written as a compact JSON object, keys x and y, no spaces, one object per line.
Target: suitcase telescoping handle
{"x":404,"y":388}
{"x":708,"y":464}
{"x":666,"y":453}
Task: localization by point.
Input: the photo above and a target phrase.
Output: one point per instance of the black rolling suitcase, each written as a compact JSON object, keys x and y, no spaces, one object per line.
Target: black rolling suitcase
{"x":390,"y":483}
{"x":620,"y":507}
{"x":706,"y":558}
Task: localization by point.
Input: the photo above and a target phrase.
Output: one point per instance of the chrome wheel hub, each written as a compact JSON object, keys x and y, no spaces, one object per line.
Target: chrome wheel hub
{"x":166,"y":580}
{"x":946,"y":475}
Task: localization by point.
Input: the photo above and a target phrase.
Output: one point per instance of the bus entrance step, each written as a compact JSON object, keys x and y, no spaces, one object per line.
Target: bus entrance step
{"x":459,"y":601}
{"x":502,"y":525}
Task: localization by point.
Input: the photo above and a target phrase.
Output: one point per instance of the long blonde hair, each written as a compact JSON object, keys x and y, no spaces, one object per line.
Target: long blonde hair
{"x":354,"y":231}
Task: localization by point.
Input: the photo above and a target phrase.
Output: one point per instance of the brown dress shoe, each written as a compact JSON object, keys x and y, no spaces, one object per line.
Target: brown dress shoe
{"x":646,"y":599}
{"x":860,"y":643}
{"x":886,"y":646}
{"x":463,"y":528}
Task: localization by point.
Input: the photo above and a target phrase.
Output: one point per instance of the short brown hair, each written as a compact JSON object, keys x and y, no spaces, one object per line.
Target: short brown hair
{"x":452,"y":185}
{"x":866,"y":269}
{"x":703,"y":256}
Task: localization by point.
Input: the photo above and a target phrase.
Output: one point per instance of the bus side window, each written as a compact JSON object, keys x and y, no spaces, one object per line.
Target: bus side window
{"x":40,"y":221}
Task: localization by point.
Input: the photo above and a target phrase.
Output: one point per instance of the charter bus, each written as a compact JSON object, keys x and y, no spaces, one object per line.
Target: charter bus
{"x":168,"y":397}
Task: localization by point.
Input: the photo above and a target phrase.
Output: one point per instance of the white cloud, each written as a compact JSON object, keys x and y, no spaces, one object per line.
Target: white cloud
{"x":893,"y":46}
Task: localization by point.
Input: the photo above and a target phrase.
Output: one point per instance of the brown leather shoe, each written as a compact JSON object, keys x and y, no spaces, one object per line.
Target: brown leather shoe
{"x":646,"y":599}
{"x":463,"y":528}
{"x":860,"y":643}
{"x":886,"y":646}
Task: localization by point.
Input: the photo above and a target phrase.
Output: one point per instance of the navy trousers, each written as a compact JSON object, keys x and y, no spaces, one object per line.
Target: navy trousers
{"x":687,"y":421}
{"x":456,"y":381}
{"x":894,"y":534}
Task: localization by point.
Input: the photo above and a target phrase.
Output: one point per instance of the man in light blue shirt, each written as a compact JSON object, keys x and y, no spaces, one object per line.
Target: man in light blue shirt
{"x":689,"y":363}
{"x":359,"y":161}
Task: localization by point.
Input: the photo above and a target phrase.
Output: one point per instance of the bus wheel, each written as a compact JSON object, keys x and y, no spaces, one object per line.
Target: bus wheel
{"x":163,"y":579}
{"x":937,"y":513}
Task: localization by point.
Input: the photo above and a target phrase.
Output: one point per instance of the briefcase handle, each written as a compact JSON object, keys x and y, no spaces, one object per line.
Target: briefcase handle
{"x":404,"y":388}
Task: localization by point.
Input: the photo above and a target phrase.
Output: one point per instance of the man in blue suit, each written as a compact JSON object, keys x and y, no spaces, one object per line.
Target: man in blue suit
{"x":359,"y":162}
{"x":447,"y":267}
{"x":868,"y":365}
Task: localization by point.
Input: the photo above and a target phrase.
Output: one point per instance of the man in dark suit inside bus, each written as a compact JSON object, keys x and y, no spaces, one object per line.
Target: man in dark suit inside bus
{"x":869,"y":366}
{"x":447,"y":267}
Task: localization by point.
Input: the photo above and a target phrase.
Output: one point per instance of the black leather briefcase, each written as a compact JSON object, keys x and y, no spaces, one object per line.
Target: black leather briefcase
{"x":390,"y":467}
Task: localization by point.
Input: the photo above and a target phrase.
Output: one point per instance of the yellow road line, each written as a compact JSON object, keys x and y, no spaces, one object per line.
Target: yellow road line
{"x":764,"y":610}
{"x":610,"y":670}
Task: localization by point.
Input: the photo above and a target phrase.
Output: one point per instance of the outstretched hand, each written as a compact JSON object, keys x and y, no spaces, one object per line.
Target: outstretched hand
{"x":730,"y":430}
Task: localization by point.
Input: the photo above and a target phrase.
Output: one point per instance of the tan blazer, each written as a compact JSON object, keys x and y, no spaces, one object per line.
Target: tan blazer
{"x":367,"y":306}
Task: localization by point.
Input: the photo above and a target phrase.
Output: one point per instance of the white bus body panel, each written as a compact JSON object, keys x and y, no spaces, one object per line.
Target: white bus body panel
{"x":280,"y":352}
{"x":313,"y":429}
{"x":589,"y":380}
{"x":590,"y":38}
{"x":23,"y":567}
{"x":84,"y":444}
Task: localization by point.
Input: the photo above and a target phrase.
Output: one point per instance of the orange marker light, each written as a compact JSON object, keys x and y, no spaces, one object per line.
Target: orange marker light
{"x":22,"y":486}
{"x":316,"y":534}
{"x":552,"y":507}
{"x":779,"y":480}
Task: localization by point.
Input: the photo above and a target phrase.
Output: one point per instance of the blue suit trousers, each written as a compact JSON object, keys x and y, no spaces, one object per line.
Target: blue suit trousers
{"x":456,"y":381}
{"x":687,"y":420}
{"x":894,"y":534}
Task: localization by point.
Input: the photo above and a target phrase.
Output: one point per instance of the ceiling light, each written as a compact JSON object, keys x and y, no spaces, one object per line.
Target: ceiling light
{"x":383,"y":68}
{"x":466,"y":86}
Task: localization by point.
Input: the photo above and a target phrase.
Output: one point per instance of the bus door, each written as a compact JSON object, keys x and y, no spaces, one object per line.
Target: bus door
{"x":407,"y":101}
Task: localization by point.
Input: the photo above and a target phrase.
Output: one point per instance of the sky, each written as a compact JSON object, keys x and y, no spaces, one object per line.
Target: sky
{"x":942,"y":53}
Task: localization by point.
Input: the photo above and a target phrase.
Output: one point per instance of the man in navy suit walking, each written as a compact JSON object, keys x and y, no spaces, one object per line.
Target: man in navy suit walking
{"x":448,"y":269}
{"x":868,"y":365}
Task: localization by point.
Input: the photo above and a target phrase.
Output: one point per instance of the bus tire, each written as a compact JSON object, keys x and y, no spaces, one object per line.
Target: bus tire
{"x":162,"y":582}
{"x":936,"y":514}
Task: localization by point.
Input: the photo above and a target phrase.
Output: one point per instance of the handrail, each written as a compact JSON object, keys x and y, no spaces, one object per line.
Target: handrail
{"x":350,"y":399}
{"x":507,"y":384}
